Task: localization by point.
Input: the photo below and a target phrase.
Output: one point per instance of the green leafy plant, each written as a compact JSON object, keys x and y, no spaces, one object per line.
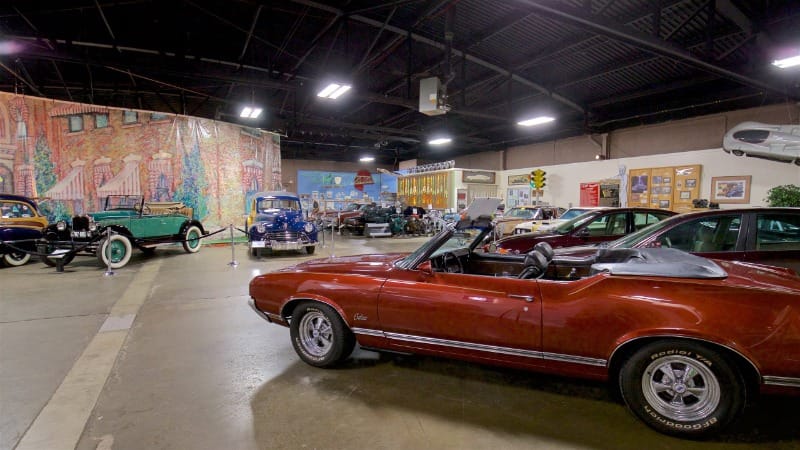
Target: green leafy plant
{"x":786,"y":195}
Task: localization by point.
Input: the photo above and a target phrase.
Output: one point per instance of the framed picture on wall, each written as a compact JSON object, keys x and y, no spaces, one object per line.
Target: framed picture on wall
{"x":477,"y":176}
{"x":519,"y":179}
{"x":731,"y":189}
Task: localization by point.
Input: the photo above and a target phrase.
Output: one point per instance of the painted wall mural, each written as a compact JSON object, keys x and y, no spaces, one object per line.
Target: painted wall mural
{"x":70,"y":156}
{"x":337,"y":189}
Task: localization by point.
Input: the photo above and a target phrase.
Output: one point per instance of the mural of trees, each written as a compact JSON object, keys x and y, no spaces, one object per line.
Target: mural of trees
{"x":192,"y":190}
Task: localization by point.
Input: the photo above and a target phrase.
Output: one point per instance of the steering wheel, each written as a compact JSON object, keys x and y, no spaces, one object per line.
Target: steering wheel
{"x":455,"y":267}
{"x":666,"y":242}
{"x":146,"y":210}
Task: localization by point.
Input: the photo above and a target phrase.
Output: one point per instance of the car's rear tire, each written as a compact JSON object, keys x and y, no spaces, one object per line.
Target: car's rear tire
{"x":737,"y":152}
{"x":682,"y":388}
{"x":310,"y":250}
{"x":319,"y":335}
{"x":16,"y":258}
{"x":192,"y":239}
{"x":115,"y":251}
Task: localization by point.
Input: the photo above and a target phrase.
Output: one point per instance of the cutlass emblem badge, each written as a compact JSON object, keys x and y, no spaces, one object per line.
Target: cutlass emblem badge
{"x":358,"y":316}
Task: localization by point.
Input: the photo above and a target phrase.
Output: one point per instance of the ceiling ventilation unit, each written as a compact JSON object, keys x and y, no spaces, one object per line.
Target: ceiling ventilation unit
{"x":431,"y":97}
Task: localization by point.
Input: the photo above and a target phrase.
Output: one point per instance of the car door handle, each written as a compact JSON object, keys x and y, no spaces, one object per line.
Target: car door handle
{"x":527,"y":298}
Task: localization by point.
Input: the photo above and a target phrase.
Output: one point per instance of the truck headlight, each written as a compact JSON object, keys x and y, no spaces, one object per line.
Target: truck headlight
{"x":260,"y":227}
{"x":309,"y":227}
{"x":61,"y":225}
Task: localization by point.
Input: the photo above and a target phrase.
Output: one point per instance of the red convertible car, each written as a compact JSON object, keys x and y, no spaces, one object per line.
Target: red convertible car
{"x":688,"y":341}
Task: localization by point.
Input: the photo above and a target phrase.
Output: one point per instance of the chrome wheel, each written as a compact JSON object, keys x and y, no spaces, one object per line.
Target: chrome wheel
{"x":316,"y":333}
{"x":681,"y":388}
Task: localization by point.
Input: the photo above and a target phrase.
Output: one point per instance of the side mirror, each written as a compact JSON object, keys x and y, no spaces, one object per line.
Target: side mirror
{"x":425,"y":268}
{"x":584,"y":233}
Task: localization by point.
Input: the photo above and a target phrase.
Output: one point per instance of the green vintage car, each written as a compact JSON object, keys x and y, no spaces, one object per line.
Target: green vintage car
{"x":127,"y":221}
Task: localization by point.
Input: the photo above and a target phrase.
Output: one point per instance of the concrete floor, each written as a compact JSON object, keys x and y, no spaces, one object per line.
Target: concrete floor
{"x":167,"y":354}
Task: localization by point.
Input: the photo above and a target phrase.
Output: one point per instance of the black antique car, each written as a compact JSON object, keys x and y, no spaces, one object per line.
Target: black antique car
{"x":127,"y":221}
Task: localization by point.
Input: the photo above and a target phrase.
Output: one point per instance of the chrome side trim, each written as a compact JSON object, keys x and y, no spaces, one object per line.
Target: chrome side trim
{"x":501,"y":350}
{"x":782,"y":381}
{"x":575,"y":359}
{"x":368,"y":332}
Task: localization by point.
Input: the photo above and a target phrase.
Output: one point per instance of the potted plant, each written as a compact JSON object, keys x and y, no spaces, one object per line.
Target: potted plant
{"x":786,"y":195}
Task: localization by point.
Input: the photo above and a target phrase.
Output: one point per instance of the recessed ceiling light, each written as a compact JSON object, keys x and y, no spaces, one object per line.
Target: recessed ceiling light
{"x":787,"y":62}
{"x":535,"y":121}
{"x":367,"y":159}
{"x":440,"y":141}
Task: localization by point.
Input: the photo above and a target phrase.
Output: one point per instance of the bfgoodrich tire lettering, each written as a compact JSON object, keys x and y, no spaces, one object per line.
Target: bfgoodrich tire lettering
{"x":319,"y":335}
{"x":682,"y":388}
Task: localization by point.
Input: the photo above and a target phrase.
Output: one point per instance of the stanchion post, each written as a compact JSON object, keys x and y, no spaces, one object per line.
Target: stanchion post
{"x":108,"y":272}
{"x":233,"y":262}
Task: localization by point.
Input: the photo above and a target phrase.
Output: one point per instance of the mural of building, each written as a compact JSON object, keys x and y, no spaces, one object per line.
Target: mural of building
{"x":71,"y":155}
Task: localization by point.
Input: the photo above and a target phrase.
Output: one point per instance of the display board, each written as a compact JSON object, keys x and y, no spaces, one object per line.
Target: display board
{"x":518,"y":196}
{"x":671,"y":188}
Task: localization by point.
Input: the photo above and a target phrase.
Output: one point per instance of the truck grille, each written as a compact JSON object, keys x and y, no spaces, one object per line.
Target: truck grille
{"x":286,"y":236}
{"x":80,"y":223}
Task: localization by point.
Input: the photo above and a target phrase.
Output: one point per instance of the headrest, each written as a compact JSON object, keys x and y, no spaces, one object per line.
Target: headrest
{"x":545,"y":249}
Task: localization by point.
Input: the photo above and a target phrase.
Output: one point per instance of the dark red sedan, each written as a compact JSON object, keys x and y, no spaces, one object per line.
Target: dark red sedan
{"x":759,"y":235}
{"x":593,"y":227}
{"x":688,"y":341}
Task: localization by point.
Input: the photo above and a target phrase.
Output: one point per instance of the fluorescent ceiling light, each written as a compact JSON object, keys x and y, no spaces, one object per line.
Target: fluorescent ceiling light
{"x":440,"y":141}
{"x":333,"y":91}
{"x":250,"y":112}
{"x":339,"y":92}
{"x":787,"y":62}
{"x":367,"y":159}
{"x":535,"y":121}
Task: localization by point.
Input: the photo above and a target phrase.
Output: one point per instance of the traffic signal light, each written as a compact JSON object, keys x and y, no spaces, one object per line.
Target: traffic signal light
{"x":538,"y":179}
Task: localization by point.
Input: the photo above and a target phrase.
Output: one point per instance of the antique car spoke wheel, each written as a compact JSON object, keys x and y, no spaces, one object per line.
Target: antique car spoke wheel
{"x":192,"y":239}
{"x":319,"y":335}
{"x":15,"y":259}
{"x":115,"y":251}
{"x":682,"y":388}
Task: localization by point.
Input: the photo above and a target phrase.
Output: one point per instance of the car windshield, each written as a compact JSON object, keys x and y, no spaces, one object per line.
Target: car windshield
{"x":267,"y":204}
{"x":123,"y":202}
{"x":572,"y":213}
{"x":447,"y":240}
{"x":353,"y":207}
{"x":634,"y":238}
{"x":568,"y":226}
{"x":520,"y":213}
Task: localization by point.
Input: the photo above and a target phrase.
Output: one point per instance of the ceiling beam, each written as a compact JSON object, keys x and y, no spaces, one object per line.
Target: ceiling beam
{"x":455,"y":52}
{"x":644,"y":41}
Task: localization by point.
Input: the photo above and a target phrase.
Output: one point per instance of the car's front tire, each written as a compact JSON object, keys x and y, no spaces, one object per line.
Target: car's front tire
{"x":16,"y":259}
{"x":682,"y":388}
{"x":319,"y":336}
{"x":310,"y":249}
{"x":192,"y":239}
{"x":115,"y":251}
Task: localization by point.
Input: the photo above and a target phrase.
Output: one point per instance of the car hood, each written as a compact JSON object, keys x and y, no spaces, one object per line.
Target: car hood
{"x":375,"y":264}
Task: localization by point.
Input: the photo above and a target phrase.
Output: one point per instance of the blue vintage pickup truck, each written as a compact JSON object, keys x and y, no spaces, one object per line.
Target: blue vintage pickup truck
{"x":276,"y":222}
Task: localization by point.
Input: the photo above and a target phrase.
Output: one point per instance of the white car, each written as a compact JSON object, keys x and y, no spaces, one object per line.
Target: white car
{"x":761,"y":140}
{"x":535,"y":225}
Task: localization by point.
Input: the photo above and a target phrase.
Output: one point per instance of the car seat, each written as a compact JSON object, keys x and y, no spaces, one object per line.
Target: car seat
{"x":535,"y":265}
{"x":704,"y":240}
